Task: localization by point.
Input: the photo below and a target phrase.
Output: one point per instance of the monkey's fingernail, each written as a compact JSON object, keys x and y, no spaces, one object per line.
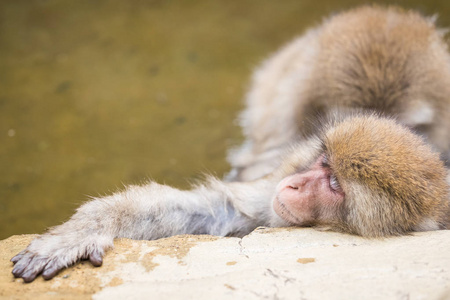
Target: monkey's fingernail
{"x":96,"y":259}
{"x":50,"y":273}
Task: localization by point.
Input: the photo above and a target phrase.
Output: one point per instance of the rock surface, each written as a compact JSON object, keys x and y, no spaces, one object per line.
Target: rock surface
{"x":283,"y":263}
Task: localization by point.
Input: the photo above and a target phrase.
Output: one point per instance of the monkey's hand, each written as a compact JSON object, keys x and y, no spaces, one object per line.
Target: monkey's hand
{"x":49,"y":253}
{"x":87,"y":235}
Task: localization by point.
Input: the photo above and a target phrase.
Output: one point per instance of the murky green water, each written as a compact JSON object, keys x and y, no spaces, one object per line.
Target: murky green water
{"x":98,"y":94}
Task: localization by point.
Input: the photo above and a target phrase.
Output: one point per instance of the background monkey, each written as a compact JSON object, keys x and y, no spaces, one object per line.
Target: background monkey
{"x":390,"y":61}
{"x":358,"y":172}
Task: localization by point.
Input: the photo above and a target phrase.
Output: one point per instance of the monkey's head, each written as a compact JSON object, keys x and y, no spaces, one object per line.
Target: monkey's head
{"x":373,"y":178}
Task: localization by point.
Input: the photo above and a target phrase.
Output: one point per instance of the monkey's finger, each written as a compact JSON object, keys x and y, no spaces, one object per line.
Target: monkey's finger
{"x":16,"y":258}
{"x":96,"y":259}
{"x":51,"y":270}
{"x":20,"y":267}
{"x":34,"y":268}
{"x":29,"y":275}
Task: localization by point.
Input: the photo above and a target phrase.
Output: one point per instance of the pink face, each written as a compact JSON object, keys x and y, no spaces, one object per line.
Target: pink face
{"x":315,"y":194}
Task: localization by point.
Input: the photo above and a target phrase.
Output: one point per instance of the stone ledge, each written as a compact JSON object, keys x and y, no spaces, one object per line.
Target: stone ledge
{"x":287,"y":263}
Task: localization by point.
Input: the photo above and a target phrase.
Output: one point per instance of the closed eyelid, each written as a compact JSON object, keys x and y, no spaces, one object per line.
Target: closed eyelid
{"x":324,"y":163}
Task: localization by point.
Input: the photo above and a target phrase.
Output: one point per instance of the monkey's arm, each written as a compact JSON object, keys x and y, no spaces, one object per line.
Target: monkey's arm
{"x":147,"y":212}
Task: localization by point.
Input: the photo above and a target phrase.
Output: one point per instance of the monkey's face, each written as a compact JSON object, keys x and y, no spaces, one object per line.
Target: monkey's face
{"x":373,"y":178}
{"x":309,"y":197}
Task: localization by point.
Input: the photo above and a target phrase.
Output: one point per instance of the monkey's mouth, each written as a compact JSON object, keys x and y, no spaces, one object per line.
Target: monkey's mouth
{"x":284,"y":213}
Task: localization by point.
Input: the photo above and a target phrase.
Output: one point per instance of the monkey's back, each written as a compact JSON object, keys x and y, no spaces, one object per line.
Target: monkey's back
{"x":380,"y":59}
{"x":390,"y":61}
{"x":387,"y":60}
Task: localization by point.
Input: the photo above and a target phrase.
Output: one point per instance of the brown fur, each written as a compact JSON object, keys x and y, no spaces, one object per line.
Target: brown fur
{"x":401,"y":180}
{"x":382,"y":60}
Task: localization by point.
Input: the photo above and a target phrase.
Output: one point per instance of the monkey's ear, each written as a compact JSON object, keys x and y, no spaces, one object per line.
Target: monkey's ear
{"x":418,"y":113}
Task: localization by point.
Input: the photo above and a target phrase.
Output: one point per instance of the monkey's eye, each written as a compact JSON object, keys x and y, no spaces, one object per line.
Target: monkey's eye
{"x":325,"y":163}
{"x":334,"y":184}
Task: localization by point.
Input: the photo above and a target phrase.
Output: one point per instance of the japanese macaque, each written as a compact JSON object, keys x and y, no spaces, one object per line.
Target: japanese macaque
{"x":390,"y":61}
{"x":345,"y":127}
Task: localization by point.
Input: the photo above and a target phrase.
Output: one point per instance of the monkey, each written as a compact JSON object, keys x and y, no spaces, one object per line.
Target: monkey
{"x":391,"y":61}
{"x":346,"y":130}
